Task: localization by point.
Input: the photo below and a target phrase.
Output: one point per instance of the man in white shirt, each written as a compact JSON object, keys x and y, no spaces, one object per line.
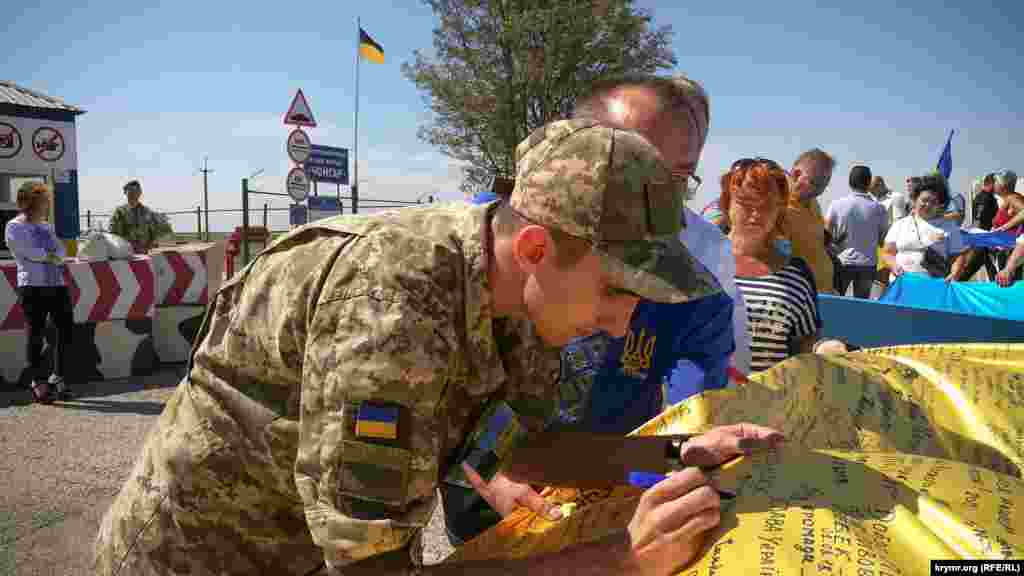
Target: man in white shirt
{"x":858,"y":223}
{"x":714,"y":250}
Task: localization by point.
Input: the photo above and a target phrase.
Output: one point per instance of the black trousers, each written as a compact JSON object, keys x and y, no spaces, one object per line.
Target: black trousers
{"x":41,"y":303}
{"x":862,"y":278}
{"x":977,"y":258}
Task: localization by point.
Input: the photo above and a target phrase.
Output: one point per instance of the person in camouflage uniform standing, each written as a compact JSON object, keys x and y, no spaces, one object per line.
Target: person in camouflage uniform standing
{"x":336,"y":378}
{"x":137,"y":223}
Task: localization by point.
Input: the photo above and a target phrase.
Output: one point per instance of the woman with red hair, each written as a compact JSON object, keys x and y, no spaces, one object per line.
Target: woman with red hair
{"x":779,"y":291}
{"x":42,"y":291}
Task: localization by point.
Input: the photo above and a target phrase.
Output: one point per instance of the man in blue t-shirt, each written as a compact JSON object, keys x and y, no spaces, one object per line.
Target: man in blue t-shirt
{"x":612,"y":385}
{"x":671,"y":352}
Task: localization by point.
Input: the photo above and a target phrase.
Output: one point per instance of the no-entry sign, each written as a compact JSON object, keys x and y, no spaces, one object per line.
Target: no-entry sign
{"x":298,"y":184}
{"x":298,"y":146}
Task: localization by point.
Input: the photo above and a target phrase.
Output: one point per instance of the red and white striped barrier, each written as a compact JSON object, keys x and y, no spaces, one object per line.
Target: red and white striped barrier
{"x":188,"y":274}
{"x":100,"y":291}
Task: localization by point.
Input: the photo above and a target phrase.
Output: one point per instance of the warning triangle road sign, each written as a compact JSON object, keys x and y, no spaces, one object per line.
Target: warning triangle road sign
{"x":299,"y":113}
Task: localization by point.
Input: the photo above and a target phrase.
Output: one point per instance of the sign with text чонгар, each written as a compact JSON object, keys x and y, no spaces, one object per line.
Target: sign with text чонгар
{"x":327,"y":164}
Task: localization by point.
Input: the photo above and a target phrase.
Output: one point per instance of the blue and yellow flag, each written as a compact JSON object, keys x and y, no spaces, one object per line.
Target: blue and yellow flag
{"x":377,"y":421}
{"x":369,"y":48}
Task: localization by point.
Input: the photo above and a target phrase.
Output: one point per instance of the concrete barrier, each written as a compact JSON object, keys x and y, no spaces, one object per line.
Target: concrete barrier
{"x":113,"y":311}
{"x":187,"y":277}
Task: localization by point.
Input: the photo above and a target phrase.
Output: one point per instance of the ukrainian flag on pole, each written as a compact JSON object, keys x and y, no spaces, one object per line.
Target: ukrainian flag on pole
{"x":369,"y":48}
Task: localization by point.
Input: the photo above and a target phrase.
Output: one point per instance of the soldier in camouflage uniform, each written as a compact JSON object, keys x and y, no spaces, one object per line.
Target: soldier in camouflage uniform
{"x":336,"y":377}
{"x":137,"y":223}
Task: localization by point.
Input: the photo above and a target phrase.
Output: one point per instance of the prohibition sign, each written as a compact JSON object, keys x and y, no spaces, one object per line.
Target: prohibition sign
{"x":48,"y":144}
{"x":299,"y":146}
{"x":10,"y":141}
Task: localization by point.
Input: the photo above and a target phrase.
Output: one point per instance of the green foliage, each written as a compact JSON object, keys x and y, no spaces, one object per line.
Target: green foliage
{"x":501,"y":68}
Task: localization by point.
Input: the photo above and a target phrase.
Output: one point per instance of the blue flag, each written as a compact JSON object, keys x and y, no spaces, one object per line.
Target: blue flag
{"x":945,"y":166}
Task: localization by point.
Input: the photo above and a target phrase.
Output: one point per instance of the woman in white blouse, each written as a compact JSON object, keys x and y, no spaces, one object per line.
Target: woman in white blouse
{"x":910,"y":237}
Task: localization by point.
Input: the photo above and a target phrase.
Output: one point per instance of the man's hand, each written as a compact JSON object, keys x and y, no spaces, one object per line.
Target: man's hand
{"x":831,"y":346}
{"x":1004,"y":278}
{"x":673,"y":517}
{"x":725,"y":442}
{"x":671,"y":521}
{"x":505,"y":496}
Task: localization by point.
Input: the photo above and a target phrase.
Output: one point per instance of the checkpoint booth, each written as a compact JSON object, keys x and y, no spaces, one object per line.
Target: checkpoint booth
{"x":38,"y":143}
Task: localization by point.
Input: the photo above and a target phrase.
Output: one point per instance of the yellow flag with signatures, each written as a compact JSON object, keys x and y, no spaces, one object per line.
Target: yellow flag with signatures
{"x":894,"y":457}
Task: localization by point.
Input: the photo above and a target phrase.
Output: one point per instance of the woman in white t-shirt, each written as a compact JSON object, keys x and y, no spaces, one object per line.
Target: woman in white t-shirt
{"x":910,"y":237}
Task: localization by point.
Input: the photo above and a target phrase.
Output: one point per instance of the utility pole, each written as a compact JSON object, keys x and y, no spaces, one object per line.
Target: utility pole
{"x":206,"y":198}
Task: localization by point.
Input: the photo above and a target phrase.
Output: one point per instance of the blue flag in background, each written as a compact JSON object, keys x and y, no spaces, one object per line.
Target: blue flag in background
{"x":945,"y":165}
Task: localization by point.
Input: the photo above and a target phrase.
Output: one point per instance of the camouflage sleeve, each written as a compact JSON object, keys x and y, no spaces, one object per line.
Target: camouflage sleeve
{"x":375,"y":369}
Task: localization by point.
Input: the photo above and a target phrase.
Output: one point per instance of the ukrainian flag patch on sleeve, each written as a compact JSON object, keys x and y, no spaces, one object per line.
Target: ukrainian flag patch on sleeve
{"x":377,"y":421}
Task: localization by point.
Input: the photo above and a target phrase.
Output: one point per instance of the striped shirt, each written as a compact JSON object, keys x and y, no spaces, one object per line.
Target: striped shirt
{"x":782,"y":310}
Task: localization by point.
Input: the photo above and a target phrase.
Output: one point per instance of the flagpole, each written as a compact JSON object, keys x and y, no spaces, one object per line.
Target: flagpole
{"x":355,"y":143}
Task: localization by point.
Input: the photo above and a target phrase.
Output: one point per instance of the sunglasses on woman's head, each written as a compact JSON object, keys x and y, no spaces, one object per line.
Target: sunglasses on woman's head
{"x":747,"y":162}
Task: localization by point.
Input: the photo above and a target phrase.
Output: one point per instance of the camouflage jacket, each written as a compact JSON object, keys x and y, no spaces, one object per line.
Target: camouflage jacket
{"x":140,"y":226}
{"x":332,"y":386}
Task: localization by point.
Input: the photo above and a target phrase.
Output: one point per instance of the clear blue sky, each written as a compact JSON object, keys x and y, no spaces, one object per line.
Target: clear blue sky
{"x":166,"y":83}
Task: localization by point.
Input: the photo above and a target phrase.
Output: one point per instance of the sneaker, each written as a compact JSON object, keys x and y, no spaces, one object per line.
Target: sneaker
{"x":63,"y":390}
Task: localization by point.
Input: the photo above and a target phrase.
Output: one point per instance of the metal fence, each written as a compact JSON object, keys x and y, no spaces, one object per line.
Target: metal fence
{"x":189,"y":223}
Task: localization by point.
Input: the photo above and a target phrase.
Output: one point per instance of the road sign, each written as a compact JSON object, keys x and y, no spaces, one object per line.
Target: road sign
{"x":328,"y":164}
{"x":297,"y":215}
{"x":299,"y":113}
{"x":298,"y":184}
{"x":10,"y":141}
{"x":323,"y":207}
{"x":298,"y":146}
{"x":48,"y":144}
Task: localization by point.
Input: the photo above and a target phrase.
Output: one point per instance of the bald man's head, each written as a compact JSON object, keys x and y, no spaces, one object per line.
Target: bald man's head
{"x":673,"y":113}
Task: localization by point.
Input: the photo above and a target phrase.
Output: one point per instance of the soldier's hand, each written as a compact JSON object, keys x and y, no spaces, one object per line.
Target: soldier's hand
{"x":671,"y":522}
{"x":505,"y":496}
{"x":722,"y":443}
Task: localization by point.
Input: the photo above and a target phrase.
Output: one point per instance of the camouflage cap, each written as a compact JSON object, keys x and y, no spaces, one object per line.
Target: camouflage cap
{"x":611,"y":187}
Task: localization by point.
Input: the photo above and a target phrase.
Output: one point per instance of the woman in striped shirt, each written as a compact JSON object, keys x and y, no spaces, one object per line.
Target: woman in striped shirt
{"x":779,"y":291}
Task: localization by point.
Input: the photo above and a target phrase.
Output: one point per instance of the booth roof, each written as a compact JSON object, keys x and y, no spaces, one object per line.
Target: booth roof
{"x":11,"y":93}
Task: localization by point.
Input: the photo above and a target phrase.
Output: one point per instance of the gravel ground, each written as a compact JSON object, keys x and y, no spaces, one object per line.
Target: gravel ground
{"x":61,"y":465}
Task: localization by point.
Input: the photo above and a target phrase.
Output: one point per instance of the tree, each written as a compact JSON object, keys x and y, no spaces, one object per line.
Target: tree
{"x":502,"y":68}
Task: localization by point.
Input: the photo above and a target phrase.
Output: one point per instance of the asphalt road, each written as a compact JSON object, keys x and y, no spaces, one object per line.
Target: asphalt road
{"x":61,"y":465}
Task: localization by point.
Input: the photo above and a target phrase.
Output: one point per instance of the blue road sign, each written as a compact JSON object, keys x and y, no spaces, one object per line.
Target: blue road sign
{"x":297,"y":215}
{"x":328,"y":164}
{"x":323,"y":207}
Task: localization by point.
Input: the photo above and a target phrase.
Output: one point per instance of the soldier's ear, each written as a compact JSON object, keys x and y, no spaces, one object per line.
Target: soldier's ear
{"x":530,"y":246}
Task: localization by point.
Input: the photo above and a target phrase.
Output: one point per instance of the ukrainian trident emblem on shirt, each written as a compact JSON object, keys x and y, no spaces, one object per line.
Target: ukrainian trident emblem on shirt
{"x":637,"y":353}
